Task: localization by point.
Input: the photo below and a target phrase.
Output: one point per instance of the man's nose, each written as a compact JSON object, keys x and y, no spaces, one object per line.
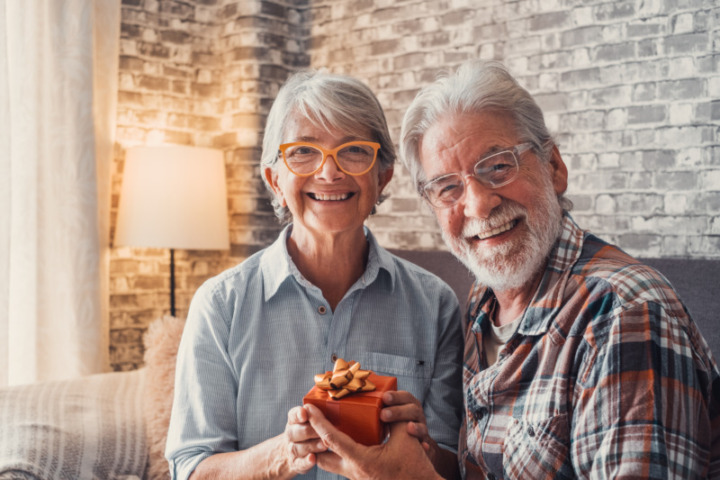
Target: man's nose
{"x":479,"y":200}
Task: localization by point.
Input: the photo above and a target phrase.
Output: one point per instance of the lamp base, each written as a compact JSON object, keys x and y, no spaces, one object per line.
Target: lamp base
{"x":172,"y":282}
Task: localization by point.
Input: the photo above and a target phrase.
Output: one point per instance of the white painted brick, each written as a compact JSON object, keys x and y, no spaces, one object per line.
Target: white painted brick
{"x":608,"y":160}
{"x":605,"y":205}
{"x":581,"y":57}
{"x":612,"y":33}
{"x":676,"y":203}
{"x":682,"y":23}
{"x":715,"y":225}
{"x":710,"y":180}
{"x":675,"y":246}
{"x":681,"y":67}
{"x":552,"y":121}
{"x":583,"y":16}
{"x":681,"y":114}
{"x":616,"y":119}
{"x":689,"y":157}
{"x":487,"y":51}
{"x":714,"y":86}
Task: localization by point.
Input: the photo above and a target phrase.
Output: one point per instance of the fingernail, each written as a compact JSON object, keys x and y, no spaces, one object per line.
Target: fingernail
{"x":387,"y":396}
{"x":386,"y":415}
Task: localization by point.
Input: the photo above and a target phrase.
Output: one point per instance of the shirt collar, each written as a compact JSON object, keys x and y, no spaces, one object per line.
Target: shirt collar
{"x":277,"y":267}
{"x":548,"y":298}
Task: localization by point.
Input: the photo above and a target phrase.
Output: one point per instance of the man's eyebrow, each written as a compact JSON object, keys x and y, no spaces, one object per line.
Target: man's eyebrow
{"x":492,"y":150}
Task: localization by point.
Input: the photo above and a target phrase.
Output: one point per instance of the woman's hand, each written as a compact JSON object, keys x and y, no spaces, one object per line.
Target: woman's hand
{"x":401,"y":457}
{"x":301,"y":442}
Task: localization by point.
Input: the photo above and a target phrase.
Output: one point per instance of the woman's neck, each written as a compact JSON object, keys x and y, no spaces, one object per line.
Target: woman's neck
{"x":331,"y":261}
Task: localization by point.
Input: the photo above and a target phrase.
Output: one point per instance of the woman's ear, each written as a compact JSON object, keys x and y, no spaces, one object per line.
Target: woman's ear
{"x":271,"y":177}
{"x":384,"y":178}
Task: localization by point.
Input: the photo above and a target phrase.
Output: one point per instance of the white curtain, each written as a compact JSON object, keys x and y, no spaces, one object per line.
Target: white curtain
{"x":58,"y":90}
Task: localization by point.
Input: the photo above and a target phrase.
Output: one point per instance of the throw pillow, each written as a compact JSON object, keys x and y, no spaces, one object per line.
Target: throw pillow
{"x":161,"y":340}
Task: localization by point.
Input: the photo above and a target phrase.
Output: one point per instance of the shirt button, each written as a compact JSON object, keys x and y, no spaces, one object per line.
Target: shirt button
{"x":531,"y":431}
{"x":334,"y":357}
{"x":322,"y":309}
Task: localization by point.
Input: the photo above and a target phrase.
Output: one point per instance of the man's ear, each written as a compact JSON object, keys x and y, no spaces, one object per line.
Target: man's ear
{"x":558,"y":171}
{"x":271,"y":176}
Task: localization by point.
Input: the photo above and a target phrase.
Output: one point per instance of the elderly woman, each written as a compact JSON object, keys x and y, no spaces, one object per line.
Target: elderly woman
{"x":257,"y":333}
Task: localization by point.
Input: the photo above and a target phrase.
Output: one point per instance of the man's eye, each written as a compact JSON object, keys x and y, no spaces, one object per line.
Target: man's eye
{"x":501,"y":167}
{"x":445,"y":189}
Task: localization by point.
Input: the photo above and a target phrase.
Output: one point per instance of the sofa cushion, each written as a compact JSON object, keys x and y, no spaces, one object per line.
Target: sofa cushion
{"x":85,"y":428}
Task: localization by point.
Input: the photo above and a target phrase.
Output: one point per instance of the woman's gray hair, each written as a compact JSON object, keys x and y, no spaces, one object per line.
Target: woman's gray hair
{"x":330,"y":101}
{"x":477,"y":86}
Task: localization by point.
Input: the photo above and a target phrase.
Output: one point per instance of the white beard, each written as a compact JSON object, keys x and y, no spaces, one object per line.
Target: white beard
{"x":514,"y":263}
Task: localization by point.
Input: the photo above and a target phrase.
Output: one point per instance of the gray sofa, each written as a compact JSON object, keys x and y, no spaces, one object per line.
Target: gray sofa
{"x":696,"y":281}
{"x":111,"y":426}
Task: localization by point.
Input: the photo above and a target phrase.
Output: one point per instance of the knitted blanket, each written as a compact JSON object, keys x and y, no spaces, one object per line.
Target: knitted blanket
{"x":85,"y":428}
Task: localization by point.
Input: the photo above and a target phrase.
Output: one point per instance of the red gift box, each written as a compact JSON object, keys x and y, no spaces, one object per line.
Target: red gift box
{"x":358,"y":414}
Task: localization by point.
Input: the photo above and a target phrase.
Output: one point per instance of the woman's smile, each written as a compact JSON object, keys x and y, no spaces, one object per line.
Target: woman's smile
{"x":330,"y":197}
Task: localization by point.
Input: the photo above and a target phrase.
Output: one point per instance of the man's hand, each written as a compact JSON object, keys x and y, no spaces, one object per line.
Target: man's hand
{"x":401,"y":457}
{"x":402,"y":406}
{"x":302,"y":442}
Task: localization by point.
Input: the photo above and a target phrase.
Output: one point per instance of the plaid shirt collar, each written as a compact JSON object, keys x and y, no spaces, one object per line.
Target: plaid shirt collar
{"x":548,"y":297}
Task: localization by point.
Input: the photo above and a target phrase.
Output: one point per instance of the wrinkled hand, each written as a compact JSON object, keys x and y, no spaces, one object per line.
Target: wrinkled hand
{"x":302,"y":443}
{"x":402,"y":406}
{"x":401,"y":457}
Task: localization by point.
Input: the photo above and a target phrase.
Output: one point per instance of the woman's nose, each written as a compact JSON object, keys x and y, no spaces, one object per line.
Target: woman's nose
{"x":329,"y":170}
{"x":479,"y":200}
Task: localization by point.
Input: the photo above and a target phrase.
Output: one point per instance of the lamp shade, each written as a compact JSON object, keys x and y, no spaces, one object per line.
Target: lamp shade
{"x":173,"y":196}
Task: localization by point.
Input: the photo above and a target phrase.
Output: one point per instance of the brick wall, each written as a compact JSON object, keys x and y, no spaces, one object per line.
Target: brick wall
{"x":630,"y":90}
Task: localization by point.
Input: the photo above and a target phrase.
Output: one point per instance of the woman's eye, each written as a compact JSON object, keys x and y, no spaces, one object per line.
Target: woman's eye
{"x":356,"y":150}
{"x":301,"y":152}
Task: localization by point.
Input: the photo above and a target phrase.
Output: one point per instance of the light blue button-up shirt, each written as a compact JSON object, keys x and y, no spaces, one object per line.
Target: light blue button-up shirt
{"x":257,"y":334}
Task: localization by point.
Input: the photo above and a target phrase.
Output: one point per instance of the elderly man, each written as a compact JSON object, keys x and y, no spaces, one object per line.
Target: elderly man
{"x":580,"y":361}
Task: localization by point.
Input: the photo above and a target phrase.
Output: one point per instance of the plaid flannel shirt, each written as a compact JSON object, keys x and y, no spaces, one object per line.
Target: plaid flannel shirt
{"x":606,"y":377}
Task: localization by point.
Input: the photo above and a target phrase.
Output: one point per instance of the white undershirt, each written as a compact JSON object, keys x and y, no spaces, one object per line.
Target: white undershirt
{"x":497,"y":338}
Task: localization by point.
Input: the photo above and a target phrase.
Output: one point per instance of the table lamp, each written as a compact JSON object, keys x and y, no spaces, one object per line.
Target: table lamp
{"x":173,"y":196}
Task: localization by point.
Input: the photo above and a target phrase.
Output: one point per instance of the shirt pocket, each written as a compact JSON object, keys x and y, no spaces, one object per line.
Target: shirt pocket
{"x":537,"y":449}
{"x":413,"y":374}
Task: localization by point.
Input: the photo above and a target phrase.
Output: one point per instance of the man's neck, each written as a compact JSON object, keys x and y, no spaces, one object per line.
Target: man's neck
{"x":512,"y":303}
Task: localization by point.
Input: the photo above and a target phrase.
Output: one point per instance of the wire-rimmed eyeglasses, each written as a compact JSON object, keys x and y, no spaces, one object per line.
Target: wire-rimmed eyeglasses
{"x":493,"y":171}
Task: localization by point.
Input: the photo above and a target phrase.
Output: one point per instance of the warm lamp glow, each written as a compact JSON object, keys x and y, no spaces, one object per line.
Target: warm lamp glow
{"x":173,"y":197}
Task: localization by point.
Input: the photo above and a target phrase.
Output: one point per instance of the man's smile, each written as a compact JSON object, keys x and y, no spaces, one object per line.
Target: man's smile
{"x":494,"y":231}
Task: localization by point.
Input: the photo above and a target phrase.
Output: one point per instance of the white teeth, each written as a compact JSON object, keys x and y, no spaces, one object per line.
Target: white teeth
{"x":496,"y":231}
{"x":331,"y":197}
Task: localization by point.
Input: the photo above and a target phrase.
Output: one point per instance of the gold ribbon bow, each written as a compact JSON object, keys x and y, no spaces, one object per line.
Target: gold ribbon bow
{"x":346,"y":378}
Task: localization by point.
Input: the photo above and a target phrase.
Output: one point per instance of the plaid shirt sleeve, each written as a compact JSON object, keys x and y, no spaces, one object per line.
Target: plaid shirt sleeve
{"x":606,"y":377}
{"x":645,"y":404}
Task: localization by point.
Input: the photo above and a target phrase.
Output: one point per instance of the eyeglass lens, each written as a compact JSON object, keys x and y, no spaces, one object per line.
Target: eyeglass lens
{"x":494,"y":171}
{"x":353,"y":158}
